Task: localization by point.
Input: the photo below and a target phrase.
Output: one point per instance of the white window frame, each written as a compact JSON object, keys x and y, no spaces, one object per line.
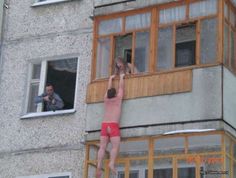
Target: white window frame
{"x":37,"y":3}
{"x":43,"y":75}
{"x":48,"y":175}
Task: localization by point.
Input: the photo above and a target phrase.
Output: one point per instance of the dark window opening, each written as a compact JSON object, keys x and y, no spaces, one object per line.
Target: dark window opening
{"x":185,"y":45}
{"x":160,"y":173}
{"x":62,"y":75}
{"x":128,"y":55}
{"x":123,"y":48}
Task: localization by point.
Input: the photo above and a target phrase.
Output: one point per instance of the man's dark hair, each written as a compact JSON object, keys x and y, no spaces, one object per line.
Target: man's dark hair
{"x":111,"y":93}
{"x":49,"y":85}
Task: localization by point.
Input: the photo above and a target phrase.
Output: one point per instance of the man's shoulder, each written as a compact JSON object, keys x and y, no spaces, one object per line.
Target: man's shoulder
{"x":55,"y":94}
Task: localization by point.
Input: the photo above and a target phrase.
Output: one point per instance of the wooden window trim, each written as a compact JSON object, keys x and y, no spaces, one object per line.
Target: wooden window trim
{"x":151,"y":157}
{"x":162,"y":72}
{"x":198,"y":43}
{"x":153,"y":31}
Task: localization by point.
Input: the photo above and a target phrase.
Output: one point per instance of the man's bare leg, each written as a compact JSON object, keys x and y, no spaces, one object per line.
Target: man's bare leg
{"x":101,"y":152}
{"x":115,"y":141}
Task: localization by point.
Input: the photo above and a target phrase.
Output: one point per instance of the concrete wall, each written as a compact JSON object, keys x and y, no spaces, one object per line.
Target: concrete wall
{"x":229,"y":100}
{"x":33,"y":34}
{"x":204,"y":102}
{"x":38,"y":163}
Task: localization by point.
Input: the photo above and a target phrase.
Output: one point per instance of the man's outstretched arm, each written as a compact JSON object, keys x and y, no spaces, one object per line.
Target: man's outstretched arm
{"x":109,"y":84}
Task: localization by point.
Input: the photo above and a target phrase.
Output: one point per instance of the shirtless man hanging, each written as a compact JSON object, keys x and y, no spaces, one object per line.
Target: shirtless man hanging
{"x":110,"y":131}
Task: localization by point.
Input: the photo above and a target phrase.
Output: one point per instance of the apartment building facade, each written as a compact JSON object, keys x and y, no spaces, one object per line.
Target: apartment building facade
{"x":178,"y":113}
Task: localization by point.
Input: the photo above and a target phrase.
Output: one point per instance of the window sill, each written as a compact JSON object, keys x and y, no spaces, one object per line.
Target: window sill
{"x":48,"y":113}
{"x":48,"y":2}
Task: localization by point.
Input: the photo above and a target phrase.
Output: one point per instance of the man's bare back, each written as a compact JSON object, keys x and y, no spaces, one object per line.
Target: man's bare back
{"x":112,"y":108}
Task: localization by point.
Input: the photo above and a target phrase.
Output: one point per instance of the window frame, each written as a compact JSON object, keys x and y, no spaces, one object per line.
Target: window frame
{"x":47,"y":2}
{"x":153,"y":29}
{"x":150,"y":158}
{"x":48,"y":175}
{"x":42,"y":82}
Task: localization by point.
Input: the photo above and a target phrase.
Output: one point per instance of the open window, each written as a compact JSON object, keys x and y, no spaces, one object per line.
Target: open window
{"x":128,"y":38}
{"x":123,"y":49}
{"x":185,"y":45}
{"x":61,"y":74}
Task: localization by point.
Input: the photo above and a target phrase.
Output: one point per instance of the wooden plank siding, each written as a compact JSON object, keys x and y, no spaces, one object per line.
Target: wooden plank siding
{"x":143,"y":86}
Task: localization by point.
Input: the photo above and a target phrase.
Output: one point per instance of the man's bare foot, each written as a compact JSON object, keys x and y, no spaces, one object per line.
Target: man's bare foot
{"x":98,"y":173}
{"x":112,"y":168}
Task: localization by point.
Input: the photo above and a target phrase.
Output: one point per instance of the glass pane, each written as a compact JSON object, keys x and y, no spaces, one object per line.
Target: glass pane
{"x":133,"y":148}
{"x":203,"y":144}
{"x":212,"y":166}
{"x":62,"y":75}
{"x":138,"y":21}
{"x":164,"y":50}
{"x":232,"y":18}
{"x":169,"y":146}
{"x":186,"y":169}
{"x":172,"y":14}
{"x":123,"y":49}
{"x":162,"y":168}
{"x":103,"y":58}
{"x":227,"y":144}
{"x":92,"y":171}
{"x":234,"y":167}
{"x":228,"y":167}
{"x":110,"y":26}
{"x":132,"y":174}
{"x":36,"y":71}
{"x":32,"y":107}
{"x":234,"y":151}
{"x":93,"y":149}
{"x":120,"y":170}
{"x":226,"y":45}
{"x":142,"y":52}
{"x":232,"y":49}
{"x":226,"y":10}
{"x":138,"y":168}
{"x":185,"y":45}
{"x":203,"y":8}
{"x":208,"y":41}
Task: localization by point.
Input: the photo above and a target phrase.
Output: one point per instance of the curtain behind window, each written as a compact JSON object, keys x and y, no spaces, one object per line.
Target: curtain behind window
{"x":203,"y":8}
{"x":172,"y":14}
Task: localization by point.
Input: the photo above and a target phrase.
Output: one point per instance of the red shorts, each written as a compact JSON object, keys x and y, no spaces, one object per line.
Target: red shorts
{"x":110,"y":129}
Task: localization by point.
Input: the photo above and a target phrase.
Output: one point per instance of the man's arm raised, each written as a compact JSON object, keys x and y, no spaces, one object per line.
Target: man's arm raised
{"x":109,"y":84}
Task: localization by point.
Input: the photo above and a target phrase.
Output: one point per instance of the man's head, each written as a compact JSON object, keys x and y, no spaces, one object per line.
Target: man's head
{"x":49,"y":89}
{"x":111,"y":93}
